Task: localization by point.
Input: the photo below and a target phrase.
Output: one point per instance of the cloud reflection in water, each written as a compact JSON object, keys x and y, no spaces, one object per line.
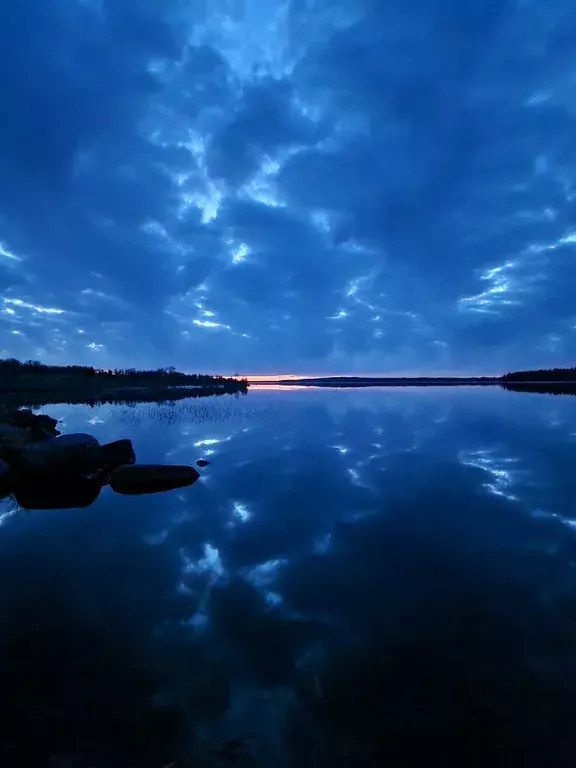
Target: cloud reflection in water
{"x":431,"y":586}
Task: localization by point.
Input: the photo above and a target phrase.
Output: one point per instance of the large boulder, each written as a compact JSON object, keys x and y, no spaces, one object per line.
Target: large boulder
{"x":151,"y":478}
{"x":76,"y":453}
{"x":75,"y":440}
{"x":57,"y":493}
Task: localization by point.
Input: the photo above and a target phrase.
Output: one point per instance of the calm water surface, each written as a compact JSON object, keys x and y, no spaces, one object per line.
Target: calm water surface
{"x":361,"y":577}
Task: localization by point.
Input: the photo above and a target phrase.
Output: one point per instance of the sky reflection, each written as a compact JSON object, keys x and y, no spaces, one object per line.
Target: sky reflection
{"x":346,"y":554}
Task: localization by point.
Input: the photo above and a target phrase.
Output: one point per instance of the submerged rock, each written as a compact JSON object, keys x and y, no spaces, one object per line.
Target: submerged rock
{"x":151,"y":478}
{"x":202,"y":463}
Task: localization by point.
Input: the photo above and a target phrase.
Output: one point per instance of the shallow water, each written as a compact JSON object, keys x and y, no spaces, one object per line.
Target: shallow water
{"x":360,"y":577}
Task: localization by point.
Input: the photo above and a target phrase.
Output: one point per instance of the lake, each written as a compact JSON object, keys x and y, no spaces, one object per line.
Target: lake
{"x":360,"y":577}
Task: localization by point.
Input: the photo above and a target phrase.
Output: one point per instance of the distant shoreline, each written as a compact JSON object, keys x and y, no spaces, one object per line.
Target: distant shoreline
{"x":542,"y":386}
{"x":356,"y":382}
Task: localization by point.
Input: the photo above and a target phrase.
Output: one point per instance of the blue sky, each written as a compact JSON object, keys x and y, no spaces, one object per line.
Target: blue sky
{"x":314,"y":186}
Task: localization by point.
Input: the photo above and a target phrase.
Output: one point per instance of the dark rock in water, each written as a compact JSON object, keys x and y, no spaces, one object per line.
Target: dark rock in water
{"x":75,"y":440}
{"x":76,"y":453}
{"x":48,"y":493}
{"x":36,"y":435}
{"x":23,"y":417}
{"x":11,"y":440}
{"x":117,"y":453}
{"x":202,"y":463}
{"x":234,"y":751}
{"x":151,"y":478}
{"x":6,"y":479}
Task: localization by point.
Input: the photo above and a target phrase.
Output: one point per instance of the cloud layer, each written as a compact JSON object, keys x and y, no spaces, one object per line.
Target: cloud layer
{"x":316,"y":186}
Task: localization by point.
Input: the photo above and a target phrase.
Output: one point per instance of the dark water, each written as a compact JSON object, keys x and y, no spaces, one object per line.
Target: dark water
{"x":377,"y":577}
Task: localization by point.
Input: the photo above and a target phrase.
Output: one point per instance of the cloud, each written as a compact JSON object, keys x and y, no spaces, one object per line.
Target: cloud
{"x":362,"y":185}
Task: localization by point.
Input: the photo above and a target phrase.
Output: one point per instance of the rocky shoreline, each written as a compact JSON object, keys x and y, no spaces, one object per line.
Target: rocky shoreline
{"x":44,"y":469}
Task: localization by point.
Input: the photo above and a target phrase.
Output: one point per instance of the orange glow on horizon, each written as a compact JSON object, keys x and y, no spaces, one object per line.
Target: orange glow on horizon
{"x":270,"y":387}
{"x":275,"y":377}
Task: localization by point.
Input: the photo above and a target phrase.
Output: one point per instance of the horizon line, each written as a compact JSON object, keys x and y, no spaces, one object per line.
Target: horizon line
{"x":296,"y":377}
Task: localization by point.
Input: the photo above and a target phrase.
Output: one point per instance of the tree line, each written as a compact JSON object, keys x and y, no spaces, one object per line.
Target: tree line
{"x":542,"y":374}
{"x":12,"y":370}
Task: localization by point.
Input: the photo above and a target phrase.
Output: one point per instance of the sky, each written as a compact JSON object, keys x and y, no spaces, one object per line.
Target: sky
{"x":305,"y":186}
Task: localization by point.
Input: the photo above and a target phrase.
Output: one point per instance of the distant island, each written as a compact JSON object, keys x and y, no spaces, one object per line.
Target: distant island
{"x":552,"y":380}
{"x":363,"y":381}
{"x":33,"y":382}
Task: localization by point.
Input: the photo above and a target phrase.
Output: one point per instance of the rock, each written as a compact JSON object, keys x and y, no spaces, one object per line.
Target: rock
{"x":24,"y":417}
{"x":202,"y":463}
{"x":35,"y":435}
{"x":75,"y":440}
{"x":11,"y":439}
{"x":21,"y":417}
{"x":234,"y":751}
{"x":57,"y":493}
{"x":6,"y":479}
{"x":42,"y":421}
{"x":117,"y":453}
{"x":76,"y":453}
{"x":151,"y":478}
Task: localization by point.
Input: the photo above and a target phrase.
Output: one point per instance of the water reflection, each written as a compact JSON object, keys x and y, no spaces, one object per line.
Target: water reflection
{"x":359,"y":577}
